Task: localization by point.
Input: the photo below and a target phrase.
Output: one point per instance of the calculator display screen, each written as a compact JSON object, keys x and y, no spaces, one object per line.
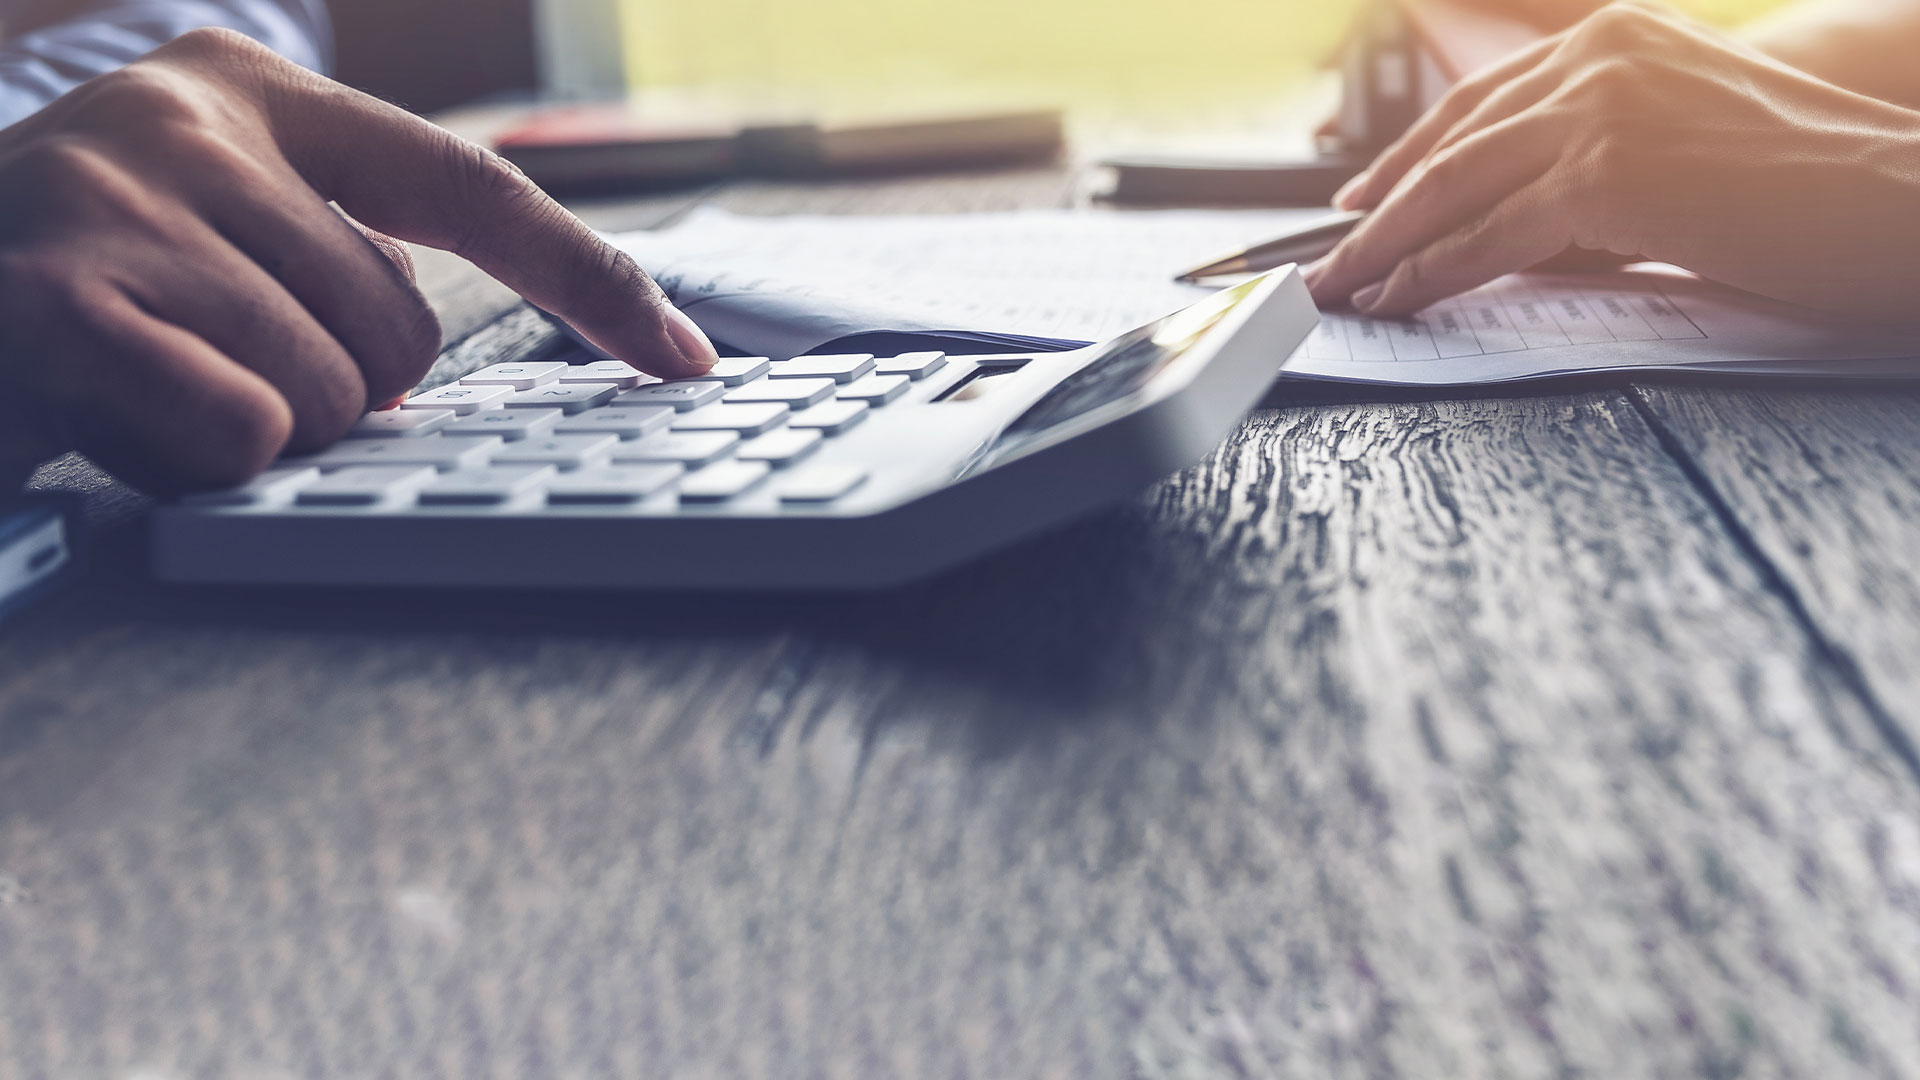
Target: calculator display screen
{"x":1128,"y":363}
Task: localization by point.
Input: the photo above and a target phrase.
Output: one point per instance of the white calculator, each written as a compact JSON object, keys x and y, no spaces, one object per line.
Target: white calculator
{"x":819,"y":472}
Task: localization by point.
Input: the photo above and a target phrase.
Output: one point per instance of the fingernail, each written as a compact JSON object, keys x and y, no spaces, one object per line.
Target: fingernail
{"x":1348,"y":190}
{"x":694,"y":346}
{"x":1369,"y":296}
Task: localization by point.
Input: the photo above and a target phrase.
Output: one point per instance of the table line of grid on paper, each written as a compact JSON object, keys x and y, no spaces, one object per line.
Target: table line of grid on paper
{"x":1505,"y":318}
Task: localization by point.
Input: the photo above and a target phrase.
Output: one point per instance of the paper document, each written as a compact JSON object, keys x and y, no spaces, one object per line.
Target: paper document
{"x":1038,"y":279}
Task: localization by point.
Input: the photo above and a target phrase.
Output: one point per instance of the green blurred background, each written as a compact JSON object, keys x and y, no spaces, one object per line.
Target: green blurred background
{"x":1127,"y":53}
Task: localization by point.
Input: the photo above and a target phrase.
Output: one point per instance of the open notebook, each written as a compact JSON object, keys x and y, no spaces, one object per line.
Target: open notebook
{"x":1036,"y":280}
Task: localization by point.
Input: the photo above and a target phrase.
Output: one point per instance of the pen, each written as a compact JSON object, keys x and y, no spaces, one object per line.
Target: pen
{"x":1308,"y":242}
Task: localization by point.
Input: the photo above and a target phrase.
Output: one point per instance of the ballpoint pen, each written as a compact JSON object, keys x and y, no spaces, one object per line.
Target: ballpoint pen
{"x":1308,"y":242}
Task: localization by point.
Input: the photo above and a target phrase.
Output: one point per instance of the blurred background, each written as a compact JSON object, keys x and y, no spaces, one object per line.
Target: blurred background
{"x":1121,"y":56}
{"x":1088,"y":53}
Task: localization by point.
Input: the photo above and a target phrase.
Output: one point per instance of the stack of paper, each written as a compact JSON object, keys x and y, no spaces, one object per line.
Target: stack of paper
{"x":1056,"y":279}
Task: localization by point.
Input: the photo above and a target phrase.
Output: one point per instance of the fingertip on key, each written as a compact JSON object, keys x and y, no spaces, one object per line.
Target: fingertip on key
{"x":696,"y":349}
{"x":1364,"y":300}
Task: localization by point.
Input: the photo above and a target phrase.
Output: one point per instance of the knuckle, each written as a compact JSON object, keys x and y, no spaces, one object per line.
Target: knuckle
{"x":1476,"y":233}
{"x":57,"y":184}
{"x":490,"y":176}
{"x":1617,"y":26}
{"x":1411,"y":277}
{"x":64,"y":166}
{"x":482,"y":178}
{"x":215,"y":43}
{"x":142,"y":97}
{"x":1612,"y":80}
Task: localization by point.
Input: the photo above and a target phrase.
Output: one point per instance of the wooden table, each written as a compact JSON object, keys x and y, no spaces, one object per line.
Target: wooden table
{"x":1557,"y":733}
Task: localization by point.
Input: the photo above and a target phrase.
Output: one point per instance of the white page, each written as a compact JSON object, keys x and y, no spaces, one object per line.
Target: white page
{"x":781,"y":286}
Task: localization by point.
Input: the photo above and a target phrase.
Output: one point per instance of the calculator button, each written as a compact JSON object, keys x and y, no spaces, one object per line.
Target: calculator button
{"x":518,"y":376}
{"x":735,"y":370}
{"x":875,"y":389}
{"x":781,"y":448}
{"x":365,"y":485}
{"x":436,"y":450}
{"x":830,"y":417}
{"x":565,"y":451}
{"x":269,"y":487}
{"x":793,"y":393}
{"x":400,"y":423}
{"x":692,"y":448}
{"x":746,"y":419}
{"x":717,"y":483}
{"x":683,"y":395}
{"x":914,"y":365}
{"x":628,"y":422}
{"x":842,"y":369}
{"x":509,"y":424}
{"x":617,"y":372}
{"x":567,"y":397}
{"x":610,"y":484}
{"x":484,"y":487}
{"x":821,"y":483}
{"x":465,"y":400}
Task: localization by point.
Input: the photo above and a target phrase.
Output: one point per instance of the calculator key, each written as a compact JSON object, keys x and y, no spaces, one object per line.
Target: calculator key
{"x":718,"y":483}
{"x":628,"y":422}
{"x":821,"y":483}
{"x":365,"y":485}
{"x":436,"y":450}
{"x":271,"y":486}
{"x":617,"y":372}
{"x":830,"y":417}
{"x":484,"y":487}
{"x":465,"y":400}
{"x":875,"y":389}
{"x":914,"y":365}
{"x":509,"y":424}
{"x":748,"y":420}
{"x":567,"y":397}
{"x":793,"y":393}
{"x":611,"y":484}
{"x":843,"y":369}
{"x":565,"y":451}
{"x":781,"y":448}
{"x":735,"y":370}
{"x":400,"y":423}
{"x":692,"y":448}
{"x":518,"y":376}
{"x":683,"y":395}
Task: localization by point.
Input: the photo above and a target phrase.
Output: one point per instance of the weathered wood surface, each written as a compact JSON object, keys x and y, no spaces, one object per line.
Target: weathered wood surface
{"x":1825,"y":485}
{"x":1484,"y":738}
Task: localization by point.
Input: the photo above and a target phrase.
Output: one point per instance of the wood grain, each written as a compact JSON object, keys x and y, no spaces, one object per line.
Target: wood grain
{"x":1825,"y":485}
{"x":1418,"y":739}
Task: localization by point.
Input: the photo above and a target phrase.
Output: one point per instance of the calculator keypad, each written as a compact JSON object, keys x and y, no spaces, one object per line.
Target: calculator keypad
{"x":521,"y":436}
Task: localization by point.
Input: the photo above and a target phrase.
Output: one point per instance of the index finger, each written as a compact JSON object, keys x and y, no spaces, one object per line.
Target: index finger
{"x":410,"y":179}
{"x":1436,"y":200}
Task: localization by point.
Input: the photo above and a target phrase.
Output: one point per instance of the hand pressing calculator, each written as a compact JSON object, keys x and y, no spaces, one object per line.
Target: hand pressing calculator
{"x":819,"y":472}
